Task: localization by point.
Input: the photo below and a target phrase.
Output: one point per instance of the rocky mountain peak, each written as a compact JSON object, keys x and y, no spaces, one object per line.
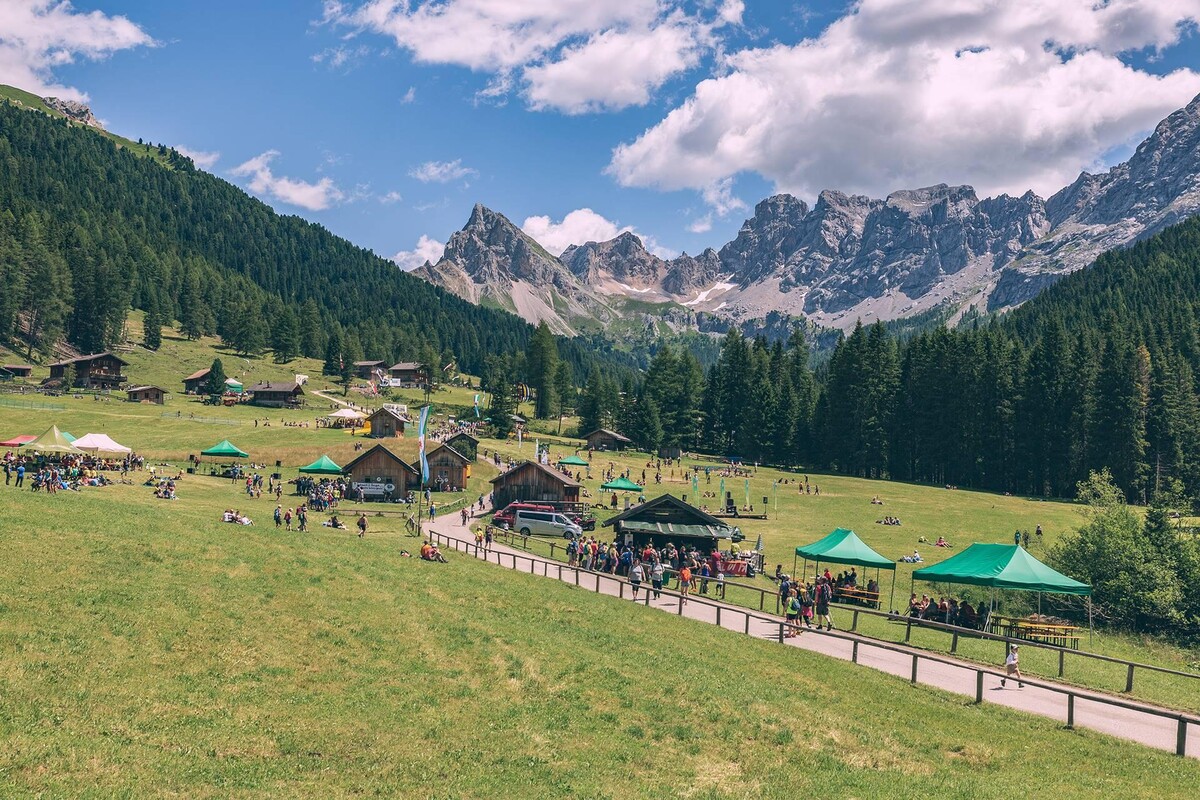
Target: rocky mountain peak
{"x":74,"y":110}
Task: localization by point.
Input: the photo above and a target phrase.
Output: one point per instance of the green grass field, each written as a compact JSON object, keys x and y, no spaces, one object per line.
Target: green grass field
{"x":146,"y":648}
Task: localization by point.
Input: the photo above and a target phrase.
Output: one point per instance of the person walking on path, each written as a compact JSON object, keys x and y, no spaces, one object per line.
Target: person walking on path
{"x":656,"y":578}
{"x":362,"y":525}
{"x":487,"y":538}
{"x":824,"y":594}
{"x":793,"y":614}
{"x":278,"y":517}
{"x":685,"y":583}
{"x":806,"y":607}
{"x":636,"y":575}
{"x":464,"y":516}
{"x":1012,"y":666}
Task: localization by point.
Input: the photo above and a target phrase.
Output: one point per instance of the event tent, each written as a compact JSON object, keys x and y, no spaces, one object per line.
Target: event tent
{"x":225,"y":449}
{"x":18,"y":441}
{"x":1001,"y":566}
{"x":843,"y":546}
{"x":234,"y":385}
{"x":621,"y":485}
{"x":1004,"y":566}
{"x":101,"y":445}
{"x":322,"y":466}
{"x":345,"y":413}
{"x":53,"y":441}
{"x":573,"y":461}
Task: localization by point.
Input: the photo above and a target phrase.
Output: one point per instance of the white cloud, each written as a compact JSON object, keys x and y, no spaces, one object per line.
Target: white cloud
{"x":409,"y":96}
{"x":37,"y":36}
{"x":571,"y":55}
{"x":701,"y":224}
{"x":441,"y":171}
{"x":900,"y":93}
{"x":201,"y":158}
{"x":427,"y":249}
{"x":391,"y":197}
{"x":581,"y":226}
{"x":719,"y":196}
{"x":312,"y":196}
{"x":341,"y":56}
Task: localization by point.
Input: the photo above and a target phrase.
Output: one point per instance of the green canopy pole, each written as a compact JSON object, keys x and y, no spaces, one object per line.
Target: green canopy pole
{"x":891,"y":602}
{"x":793,"y":562}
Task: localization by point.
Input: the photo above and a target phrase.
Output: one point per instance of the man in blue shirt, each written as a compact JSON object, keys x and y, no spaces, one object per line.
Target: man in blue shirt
{"x":20,"y":475}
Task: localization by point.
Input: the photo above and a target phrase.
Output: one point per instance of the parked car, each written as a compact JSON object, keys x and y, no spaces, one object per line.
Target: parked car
{"x":545,"y":523}
{"x":504,"y":517}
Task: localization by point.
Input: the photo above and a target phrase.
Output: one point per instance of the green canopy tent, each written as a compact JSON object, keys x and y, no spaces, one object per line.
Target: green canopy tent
{"x":322,"y":466}
{"x":1004,"y":566}
{"x":621,"y":484}
{"x":573,"y":461}
{"x":68,"y":437}
{"x":225,"y":449}
{"x":843,"y":546}
{"x":54,"y":441}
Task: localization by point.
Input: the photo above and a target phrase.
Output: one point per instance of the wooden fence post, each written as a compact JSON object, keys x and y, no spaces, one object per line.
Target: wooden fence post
{"x":620,"y":590}
{"x":979,"y":686}
{"x":718,"y":616}
{"x":747,"y":623}
{"x":781,"y":626}
{"x":914,"y":667}
{"x":1129,"y":679}
{"x":1181,"y":738}
{"x":854,"y":652}
{"x":1061,"y":654}
{"x":907,"y":629}
{"x":1070,"y":711}
{"x":954,"y":643}
{"x":854,"y":621}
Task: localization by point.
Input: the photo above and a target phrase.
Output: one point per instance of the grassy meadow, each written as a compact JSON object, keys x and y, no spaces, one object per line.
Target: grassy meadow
{"x":148,"y":649}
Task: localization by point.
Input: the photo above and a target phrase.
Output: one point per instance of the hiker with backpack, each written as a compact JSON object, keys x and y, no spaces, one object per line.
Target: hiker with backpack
{"x":824,"y":595}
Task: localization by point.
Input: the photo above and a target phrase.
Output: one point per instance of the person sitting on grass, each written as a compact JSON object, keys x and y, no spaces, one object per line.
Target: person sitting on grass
{"x":334,"y":522}
{"x":941,"y":542}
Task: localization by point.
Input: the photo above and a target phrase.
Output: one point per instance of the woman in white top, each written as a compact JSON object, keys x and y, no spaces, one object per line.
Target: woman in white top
{"x":636,"y":575}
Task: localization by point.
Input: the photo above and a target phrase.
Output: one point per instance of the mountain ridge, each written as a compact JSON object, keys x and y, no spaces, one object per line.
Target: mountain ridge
{"x":851,"y":257}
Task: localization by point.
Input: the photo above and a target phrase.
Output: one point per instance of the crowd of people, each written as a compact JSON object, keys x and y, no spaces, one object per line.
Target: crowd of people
{"x":688,"y":567}
{"x":944,"y":609}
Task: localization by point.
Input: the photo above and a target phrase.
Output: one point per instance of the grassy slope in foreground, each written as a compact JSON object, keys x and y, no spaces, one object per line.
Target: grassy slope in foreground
{"x":145,"y":647}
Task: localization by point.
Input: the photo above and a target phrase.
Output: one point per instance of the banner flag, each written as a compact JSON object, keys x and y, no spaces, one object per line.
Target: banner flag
{"x":421,"y":443}
{"x":476,"y":406}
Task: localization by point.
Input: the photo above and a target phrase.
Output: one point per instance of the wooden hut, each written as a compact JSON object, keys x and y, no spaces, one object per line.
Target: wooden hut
{"x":604,"y":439}
{"x":146,"y":394}
{"x":466,"y":444}
{"x":448,"y":469}
{"x":387,"y":423}
{"x":194,"y":383}
{"x":669,"y":519}
{"x":97,"y":371}
{"x":287,"y":394}
{"x":533,"y":482}
{"x":19,"y":370}
{"x":366,"y":369}
{"x":409,"y":375}
{"x":380,"y":474}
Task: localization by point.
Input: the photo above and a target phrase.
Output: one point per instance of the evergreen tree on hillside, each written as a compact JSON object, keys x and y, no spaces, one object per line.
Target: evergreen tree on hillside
{"x":215,"y":384}
{"x":591,"y":405}
{"x":333,"y":354}
{"x":564,"y":391}
{"x":542,"y":367}
{"x":644,"y":426}
{"x":46,"y":300}
{"x":191,"y":307}
{"x":152,"y":325}
{"x":285,"y":335}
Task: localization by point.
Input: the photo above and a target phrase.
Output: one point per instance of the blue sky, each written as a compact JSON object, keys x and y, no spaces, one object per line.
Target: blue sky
{"x":386,"y":121}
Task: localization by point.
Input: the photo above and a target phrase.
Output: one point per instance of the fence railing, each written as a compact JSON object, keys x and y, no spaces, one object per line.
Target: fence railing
{"x":732,"y":591}
{"x":30,"y":405}
{"x":780,"y":629}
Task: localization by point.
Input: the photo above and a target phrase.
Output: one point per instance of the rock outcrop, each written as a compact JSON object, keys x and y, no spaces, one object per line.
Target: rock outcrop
{"x":74,"y":110}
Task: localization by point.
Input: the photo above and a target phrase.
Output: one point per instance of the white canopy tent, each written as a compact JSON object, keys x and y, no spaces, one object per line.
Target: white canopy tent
{"x":100,"y":444}
{"x":345,"y":413}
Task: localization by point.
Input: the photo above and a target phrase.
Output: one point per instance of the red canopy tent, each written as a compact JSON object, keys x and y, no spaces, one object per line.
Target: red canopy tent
{"x":17,"y":441}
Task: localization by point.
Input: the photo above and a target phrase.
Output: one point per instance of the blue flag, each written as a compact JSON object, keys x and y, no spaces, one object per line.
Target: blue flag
{"x":421,"y":443}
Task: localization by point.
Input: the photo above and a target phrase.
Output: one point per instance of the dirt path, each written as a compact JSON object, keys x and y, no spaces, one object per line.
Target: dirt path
{"x":956,"y":676}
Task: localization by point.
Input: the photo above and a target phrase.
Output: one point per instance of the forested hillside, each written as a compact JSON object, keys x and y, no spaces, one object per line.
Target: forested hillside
{"x":1097,"y":372}
{"x":89,"y":229}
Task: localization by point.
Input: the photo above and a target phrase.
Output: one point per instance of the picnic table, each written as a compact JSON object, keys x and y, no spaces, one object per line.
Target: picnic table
{"x":857,"y":595}
{"x":1036,"y":631}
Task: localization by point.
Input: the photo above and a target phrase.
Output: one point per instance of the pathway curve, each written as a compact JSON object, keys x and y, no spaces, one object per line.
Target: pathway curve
{"x":1135,"y":722}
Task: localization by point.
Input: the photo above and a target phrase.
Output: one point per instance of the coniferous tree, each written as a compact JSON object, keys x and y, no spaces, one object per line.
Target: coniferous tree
{"x":152,"y":325}
{"x":215,"y":384}
{"x":542,"y":366}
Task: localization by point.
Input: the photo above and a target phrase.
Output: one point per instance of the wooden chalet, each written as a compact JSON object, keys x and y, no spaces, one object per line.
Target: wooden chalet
{"x":366,"y":369}
{"x":533,"y":482}
{"x":410,"y":374}
{"x":194,"y":383}
{"x":146,"y":394}
{"x":19,"y":370}
{"x":669,"y":519}
{"x":604,"y":439}
{"x":287,"y":394}
{"x":381,"y":475}
{"x":387,"y":423}
{"x":466,"y":444}
{"x":448,"y":469}
{"x":96,"y":371}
